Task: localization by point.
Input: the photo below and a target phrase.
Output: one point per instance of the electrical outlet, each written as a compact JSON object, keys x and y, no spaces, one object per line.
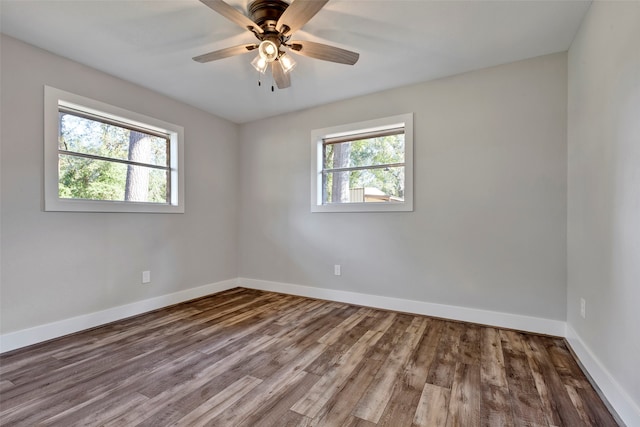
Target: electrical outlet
{"x":336,"y":270}
{"x":583,"y":308}
{"x":146,"y":276}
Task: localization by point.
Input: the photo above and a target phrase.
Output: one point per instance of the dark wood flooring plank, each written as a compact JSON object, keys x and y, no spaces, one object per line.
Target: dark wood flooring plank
{"x":563,"y":362}
{"x":335,"y":379}
{"x":433,"y":407}
{"x":305,"y":307}
{"x":277,"y":408}
{"x":97,"y":344}
{"x":418,"y":366}
{"x":339,"y":407}
{"x":341,"y":404}
{"x":159,"y":403}
{"x":393,"y":325}
{"x":344,"y":327}
{"x":444,"y":366}
{"x":302,"y":335}
{"x":261,"y":319}
{"x":357,"y":422}
{"x":556,"y":402}
{"x":470,"y":342}
{"x":174,"y":320}
{"x":189,"y":399}
{"x":292,"y":419}
{"x":376,"y":397}
{"x":311,"y":404}
{"x":335,"y":351}
{"x":492,"y":359}
{"x":181,"y":371}
{"x":6,"y":385}
{"x":31,"y":372}
{"x":403,"y":405}
{"x":591,"y":415}
{"x":125,"y":358}
{"x":583,"y":410}
{"x":495,"y":406}
{"x":525,"y":401}
{"x":67,"y":387}
{"x":272,"y":387}
{"x":464,"y":402}
{"x":217,"y":404}
{"x":96,"y":411}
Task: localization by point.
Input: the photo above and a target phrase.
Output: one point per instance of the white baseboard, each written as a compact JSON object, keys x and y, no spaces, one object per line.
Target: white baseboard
{"x":40,"y":333}
{"x":625,"y":407}
{"x":474,"y":315}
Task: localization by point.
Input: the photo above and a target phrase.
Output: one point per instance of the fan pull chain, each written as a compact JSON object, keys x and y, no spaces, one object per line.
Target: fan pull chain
{"x":273,"y":88}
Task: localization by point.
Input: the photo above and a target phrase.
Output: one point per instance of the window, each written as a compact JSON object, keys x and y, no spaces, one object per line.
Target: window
{"x":363,"y":167}
{"x":101,"y":158}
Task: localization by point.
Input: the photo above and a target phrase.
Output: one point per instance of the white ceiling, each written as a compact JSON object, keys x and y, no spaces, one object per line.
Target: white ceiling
{"x":151,"y":43}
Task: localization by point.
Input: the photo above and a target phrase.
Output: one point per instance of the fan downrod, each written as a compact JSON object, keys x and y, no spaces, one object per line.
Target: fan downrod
{"x":266,"y":13}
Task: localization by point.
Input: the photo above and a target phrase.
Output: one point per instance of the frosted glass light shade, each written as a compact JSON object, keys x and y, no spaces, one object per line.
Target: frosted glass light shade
{"x":260,"y":64}
{"x":268,"y":50}
{"x":287,"y":62}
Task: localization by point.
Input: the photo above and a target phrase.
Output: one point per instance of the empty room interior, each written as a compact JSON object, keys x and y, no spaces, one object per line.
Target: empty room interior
{"x":320,"y":213}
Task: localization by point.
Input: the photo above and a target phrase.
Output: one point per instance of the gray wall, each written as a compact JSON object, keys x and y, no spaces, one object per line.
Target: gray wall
{"x":58,"y":265}
{"x":604,"y":188}
{"x":489,"y":226}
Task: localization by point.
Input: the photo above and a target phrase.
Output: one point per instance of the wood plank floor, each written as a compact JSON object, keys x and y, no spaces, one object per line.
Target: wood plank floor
{"x":251,"y":358}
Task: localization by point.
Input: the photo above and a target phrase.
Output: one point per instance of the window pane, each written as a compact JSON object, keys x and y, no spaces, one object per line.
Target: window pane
{"x":365,"y":152}
{"x":92,"y":179}
{"x":364,"y":186}
{"x":82,"y":135}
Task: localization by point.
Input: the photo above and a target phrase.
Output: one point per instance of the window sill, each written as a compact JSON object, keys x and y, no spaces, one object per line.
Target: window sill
{"x":74,"y":205}
{"x":364,"y":207}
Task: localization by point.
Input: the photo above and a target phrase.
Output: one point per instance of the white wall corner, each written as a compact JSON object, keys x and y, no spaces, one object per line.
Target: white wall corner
{"x":473,"y":315}
{"x":626,"y":409}
{"x":40,"y":333}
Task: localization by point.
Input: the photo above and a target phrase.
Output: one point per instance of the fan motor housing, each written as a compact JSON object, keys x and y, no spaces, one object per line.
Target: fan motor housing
{"x":266,"y":13}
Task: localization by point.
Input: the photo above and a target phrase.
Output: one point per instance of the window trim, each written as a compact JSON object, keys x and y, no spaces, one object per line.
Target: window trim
{"x":318,"y":136}
{"x":56,"y":98}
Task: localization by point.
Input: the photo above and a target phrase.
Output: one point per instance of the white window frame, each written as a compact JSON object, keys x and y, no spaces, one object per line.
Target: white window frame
{"x":317,"y":137}
{"x":53,"y":99}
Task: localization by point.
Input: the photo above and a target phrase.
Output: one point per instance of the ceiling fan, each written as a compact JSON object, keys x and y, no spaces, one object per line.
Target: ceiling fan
{"x":273,"y":22}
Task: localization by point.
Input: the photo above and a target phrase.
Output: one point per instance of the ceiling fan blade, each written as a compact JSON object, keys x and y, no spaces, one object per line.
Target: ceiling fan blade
{"x":297,"y":14}
{"x":283,"y":80}
{"x":232,"y":14}
{"x":324,"y":52}
{"x":225,"y":53}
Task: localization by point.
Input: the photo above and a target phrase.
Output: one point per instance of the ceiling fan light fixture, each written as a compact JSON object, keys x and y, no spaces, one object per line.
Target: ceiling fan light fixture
{"x":268,"y":50}
{"x":273,"y":22}
{"x":260,"y":64}
{"x":287,"y":62}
